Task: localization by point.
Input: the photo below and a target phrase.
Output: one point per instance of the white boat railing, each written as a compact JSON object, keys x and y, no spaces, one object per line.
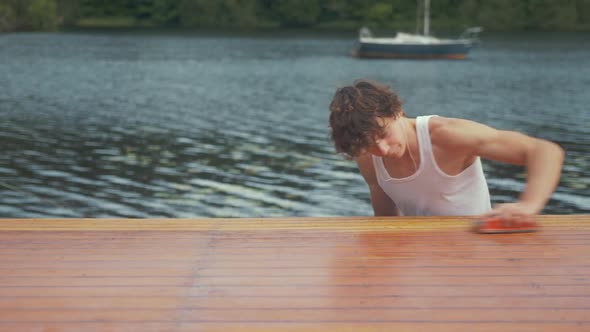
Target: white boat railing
{"x":470,"y":35}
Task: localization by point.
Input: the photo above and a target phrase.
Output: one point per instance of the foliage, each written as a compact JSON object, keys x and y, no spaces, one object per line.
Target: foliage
{"x":7,"y":17}
{"x":220,"y":13}
{"x":42,"y":15}
{"x":28,"y":15}
{"x":391,"y":14}
{"x":296,"y":13}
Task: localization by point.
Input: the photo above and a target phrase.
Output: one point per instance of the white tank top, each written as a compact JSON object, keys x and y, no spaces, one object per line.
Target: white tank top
{"x":431,"y":192}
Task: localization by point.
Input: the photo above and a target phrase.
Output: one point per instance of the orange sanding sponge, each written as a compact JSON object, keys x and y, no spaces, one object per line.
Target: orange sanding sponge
{"x":499,"y":226}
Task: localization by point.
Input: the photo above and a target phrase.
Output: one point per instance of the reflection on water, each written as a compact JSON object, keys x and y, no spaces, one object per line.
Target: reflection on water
{"x":104,"y":125}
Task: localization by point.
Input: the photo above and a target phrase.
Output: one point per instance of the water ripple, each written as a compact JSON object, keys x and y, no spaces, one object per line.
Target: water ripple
{"x":104,"y":125}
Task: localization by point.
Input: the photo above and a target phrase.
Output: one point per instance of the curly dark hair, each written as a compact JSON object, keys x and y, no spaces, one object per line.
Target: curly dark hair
{"x":355,"y":112}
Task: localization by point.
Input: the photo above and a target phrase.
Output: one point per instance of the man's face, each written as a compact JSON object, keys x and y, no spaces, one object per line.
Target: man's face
{"x":393,"y":143}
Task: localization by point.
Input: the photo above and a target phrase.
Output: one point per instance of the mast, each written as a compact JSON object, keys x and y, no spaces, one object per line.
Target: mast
{"x":418,"y":17}
{"x":426,"y":17}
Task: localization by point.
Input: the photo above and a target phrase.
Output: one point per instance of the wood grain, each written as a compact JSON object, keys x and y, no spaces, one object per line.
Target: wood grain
{"x":292,"y":274}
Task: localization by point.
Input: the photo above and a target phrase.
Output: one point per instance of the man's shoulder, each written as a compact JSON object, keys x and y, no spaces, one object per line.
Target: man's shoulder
{"x":442,"y":125}
{"x":453,"y":132}
{"x":439,"y":119}
{"x":364,"y":161}
{"x":447,"y":123}
{"x":365,"y":165}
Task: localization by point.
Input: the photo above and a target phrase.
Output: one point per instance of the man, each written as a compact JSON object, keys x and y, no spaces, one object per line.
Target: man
{"x":431,"y":165}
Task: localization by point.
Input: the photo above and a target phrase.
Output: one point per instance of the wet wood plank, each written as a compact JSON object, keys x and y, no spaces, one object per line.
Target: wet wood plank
{"x":292,"y":274}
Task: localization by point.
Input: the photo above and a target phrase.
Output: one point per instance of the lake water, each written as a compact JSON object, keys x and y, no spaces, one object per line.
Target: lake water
{"x":131,"y":124}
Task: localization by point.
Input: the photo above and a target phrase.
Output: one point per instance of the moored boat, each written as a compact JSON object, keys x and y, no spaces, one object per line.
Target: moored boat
{"x":415,"y":46}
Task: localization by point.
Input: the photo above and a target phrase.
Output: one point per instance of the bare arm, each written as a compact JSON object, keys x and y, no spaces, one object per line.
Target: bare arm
{"x":542,"y":159}
{"x":382,"y":204}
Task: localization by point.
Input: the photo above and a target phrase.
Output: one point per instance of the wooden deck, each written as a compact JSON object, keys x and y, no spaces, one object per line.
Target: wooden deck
{"x":306,"y":274}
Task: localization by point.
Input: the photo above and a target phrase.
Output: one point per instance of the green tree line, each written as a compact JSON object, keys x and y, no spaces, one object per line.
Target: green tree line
{"x":47,"y":15}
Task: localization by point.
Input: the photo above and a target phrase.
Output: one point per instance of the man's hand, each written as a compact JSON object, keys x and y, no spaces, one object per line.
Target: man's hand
{"x":512,"y":213}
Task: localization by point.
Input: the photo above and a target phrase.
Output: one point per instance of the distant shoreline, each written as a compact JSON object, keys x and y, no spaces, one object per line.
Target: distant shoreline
{"x":343,"y":16}
{"x":349,"y":27}
{"x":275,"y":30}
